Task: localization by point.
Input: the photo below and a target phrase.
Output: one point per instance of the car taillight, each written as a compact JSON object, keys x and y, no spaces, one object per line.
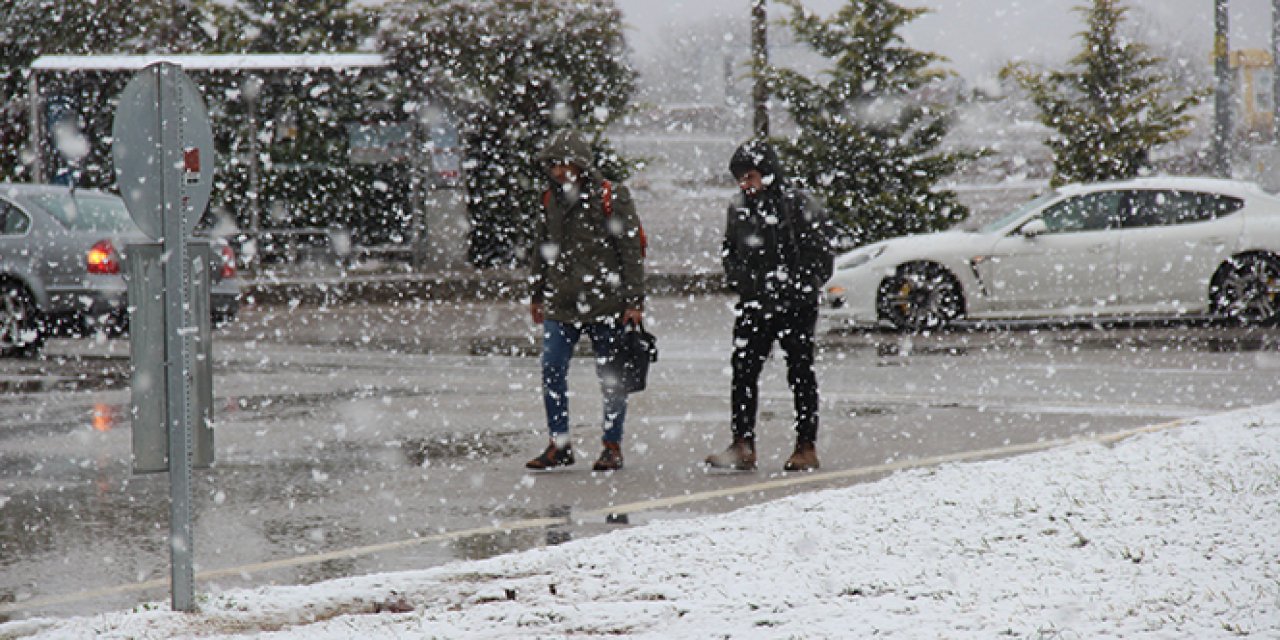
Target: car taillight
{"x":228,"y":263}
{"x":103,"y":259}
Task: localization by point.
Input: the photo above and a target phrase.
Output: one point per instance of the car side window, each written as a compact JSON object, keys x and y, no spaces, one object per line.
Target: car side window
{"x":1153,"y":208}
{"x":1214,"y":205}
{"x":1088,"y":212}
{"x":1146,"y":209}
{"x":1181,"y":207}
{"x":13,"y":221}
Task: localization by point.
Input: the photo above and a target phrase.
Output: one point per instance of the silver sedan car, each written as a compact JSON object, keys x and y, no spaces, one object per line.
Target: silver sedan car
{"x":62,"y":265}
{"x":1154,"y":247}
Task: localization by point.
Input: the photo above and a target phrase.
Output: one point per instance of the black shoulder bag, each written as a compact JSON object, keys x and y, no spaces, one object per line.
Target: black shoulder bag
{"x":636,"y":350}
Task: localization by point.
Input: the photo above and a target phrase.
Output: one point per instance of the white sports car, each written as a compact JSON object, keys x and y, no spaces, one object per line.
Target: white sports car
{"x":1137,"y":248}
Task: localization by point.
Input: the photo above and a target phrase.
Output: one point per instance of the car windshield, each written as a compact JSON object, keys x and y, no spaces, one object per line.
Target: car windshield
{"x":1004,"y":221}
{"x":89,"y":212}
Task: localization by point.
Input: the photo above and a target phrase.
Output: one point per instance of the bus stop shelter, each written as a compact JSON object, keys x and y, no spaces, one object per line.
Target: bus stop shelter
{"x":244,"y":64}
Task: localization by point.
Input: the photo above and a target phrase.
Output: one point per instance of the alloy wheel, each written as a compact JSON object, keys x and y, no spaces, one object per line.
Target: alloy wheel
{"x":19,"y":328}
{"x":920,"y":297}
{"x":1248,"y":290}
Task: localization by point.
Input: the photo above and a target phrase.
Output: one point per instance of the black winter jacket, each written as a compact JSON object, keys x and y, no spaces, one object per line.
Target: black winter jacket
{"x":777,"y":248}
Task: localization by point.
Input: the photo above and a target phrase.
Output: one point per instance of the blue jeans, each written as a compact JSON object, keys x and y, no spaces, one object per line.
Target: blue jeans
{"x":558,"y":341}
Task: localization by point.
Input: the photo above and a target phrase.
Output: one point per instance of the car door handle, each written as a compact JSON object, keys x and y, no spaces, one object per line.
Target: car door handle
{"x":1099,"y":248}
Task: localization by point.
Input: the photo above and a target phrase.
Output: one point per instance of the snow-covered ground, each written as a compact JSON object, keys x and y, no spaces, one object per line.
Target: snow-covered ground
{"x":1173,"y":532}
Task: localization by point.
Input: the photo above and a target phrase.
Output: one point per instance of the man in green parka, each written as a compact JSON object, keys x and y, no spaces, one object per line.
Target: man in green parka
{"x":587,"y":277}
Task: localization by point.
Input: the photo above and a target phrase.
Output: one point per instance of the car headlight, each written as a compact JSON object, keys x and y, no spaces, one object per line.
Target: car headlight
{"x":860,"y":258}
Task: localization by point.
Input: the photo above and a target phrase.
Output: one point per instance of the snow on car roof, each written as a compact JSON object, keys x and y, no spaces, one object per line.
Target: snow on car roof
{"x":212,"y":62}
{"x":1197,"y":183}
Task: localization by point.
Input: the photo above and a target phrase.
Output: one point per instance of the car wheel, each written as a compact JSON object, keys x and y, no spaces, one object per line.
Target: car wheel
{"x":21,"y":332}
{"x":1246,"y":289}
{"x":920,"y":297}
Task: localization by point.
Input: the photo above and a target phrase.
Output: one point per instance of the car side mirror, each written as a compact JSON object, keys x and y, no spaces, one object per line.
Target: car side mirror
{"x":1034,"y":228}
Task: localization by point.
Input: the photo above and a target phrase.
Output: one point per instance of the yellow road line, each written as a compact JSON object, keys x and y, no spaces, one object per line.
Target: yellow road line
{"x":845,"y":474}
{"x":633,"y":507}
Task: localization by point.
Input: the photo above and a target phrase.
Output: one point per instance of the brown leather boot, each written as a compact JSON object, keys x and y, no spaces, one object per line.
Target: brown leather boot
{"x":551,"y":458}
{"x":610,"y":458}
{"x":740,"y":456}
{"x":804,"y":458}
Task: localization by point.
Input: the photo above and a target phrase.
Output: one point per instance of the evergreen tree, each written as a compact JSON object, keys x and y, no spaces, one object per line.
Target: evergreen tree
{"x":1111,"y":107}
{"x":516,"y":72}
{"x":294,"y":26}
{"x":868,"y":138}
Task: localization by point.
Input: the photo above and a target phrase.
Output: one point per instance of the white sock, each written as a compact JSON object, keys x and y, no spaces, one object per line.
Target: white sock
{"x":561,"y":440}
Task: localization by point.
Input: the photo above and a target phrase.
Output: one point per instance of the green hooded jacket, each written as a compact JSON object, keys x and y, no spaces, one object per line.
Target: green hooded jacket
{"x":586,"y":266}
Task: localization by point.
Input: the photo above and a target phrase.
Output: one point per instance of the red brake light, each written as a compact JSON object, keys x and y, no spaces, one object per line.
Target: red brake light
{"x":228,"y":262}
{"x":103,"y":259}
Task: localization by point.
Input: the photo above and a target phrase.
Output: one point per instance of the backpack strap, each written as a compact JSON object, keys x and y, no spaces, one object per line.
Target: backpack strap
{"x":606,"y":203}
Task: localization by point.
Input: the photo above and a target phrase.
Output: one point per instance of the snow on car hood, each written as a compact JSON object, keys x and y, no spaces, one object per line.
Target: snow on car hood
{"x":934,"y":246}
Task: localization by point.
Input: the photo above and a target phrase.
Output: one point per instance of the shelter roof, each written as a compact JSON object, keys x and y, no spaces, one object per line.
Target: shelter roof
{"x":212,"y":62}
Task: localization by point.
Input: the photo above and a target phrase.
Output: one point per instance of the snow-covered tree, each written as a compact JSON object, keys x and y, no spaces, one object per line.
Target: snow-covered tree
{"x":515,"y":72}
{"x":869,"y":134}
{"x":1111,"y":106}
{"x":294,"y":26}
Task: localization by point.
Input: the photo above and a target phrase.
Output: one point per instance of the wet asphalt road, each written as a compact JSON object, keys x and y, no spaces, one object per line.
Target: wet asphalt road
{"x":400,"y":431}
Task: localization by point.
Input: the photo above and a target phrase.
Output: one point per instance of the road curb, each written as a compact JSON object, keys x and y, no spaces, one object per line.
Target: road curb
{"x":375,"y":288}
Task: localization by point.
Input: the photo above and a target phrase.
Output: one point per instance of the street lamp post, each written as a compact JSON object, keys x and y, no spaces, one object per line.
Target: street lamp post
{"x":759,"y":64}
{"x":1222,"y":94}
{"x":251,"y":88}
{"x":1275,"y":71}
{"x":36,"y":135}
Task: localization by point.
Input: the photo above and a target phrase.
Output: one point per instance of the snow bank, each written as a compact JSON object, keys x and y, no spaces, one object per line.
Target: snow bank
{"x":1168,"y":534}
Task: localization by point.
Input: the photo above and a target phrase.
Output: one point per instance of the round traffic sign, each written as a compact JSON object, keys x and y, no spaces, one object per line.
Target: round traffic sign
{"x":163,"y":149}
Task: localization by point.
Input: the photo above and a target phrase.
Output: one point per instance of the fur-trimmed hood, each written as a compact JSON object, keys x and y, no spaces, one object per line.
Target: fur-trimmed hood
{"x":567,"y":146}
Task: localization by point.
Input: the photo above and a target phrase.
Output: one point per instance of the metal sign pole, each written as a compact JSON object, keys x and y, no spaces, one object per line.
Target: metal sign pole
{"x":163,"y":152}
{"x":178,"y":325}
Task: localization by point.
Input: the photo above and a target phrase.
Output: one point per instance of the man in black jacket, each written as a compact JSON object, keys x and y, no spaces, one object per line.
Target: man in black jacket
{"x":776,"y":256}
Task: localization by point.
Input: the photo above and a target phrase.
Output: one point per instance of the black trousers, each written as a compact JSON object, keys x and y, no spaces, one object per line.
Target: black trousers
{"x":754,"y":332}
